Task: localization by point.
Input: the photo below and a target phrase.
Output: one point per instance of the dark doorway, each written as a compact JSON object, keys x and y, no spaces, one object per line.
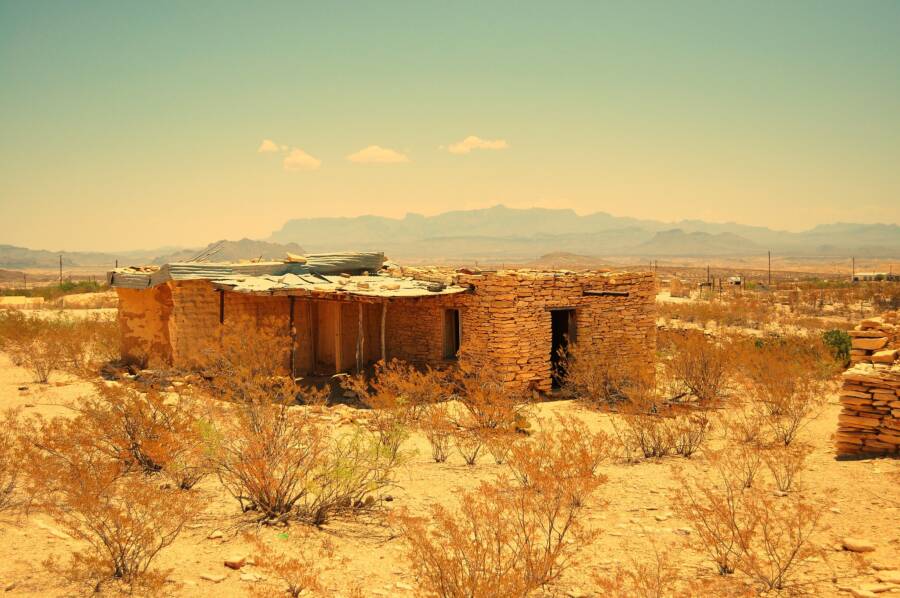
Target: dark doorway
{"x":562,"y":323}
{"x":451,"y":333}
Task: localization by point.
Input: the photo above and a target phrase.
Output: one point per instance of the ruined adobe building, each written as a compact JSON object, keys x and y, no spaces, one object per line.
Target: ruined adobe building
{"x":343,"y":312}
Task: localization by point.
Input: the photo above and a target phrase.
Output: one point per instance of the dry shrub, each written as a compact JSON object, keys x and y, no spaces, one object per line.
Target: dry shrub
{"x":785,"y":463}
{"x":787,"y":377}
{"x":643,"y":427}
{"x":746,"y":423}
{"x":486,"y":401}
{"x":437,"y":428}
{"x":148,"y":431}
{"x":739,"y":463}
{"x":297,"y":569}
{"x":266,"y":455}
{"x":469,"y":444}
{"x":778,"y":539}
{"x":657,"y":577}
{"x":748,"y":529}
{"x":701,"y":366}
{"x":398,"y":395}
{"x":499,"y":443}
{"x":689,"y":430}
{"x":599,"y":382}
{"x":10,"y":450}
{"x":45,"y":346}
{"x":503,"y":541}
{"x":124,"y":519}
{"x":277,"y":462}
{"x":354,"y":473}
{"x":566,"y":455}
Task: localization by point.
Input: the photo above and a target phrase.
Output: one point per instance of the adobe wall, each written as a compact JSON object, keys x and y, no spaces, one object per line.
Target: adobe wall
{"x":506,"y":322}
{"x":143,"y":319}
{"x":869,"y":422}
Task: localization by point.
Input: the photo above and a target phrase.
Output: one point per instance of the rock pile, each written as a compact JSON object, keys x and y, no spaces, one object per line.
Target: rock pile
{"x":869,"y":423}
{"x":876,"y":340}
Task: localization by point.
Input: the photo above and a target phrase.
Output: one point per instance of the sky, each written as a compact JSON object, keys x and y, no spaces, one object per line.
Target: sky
{"x":128,"y":124}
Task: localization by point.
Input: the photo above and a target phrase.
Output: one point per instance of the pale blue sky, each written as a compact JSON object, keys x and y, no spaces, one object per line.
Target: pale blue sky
{"x":137,"y":124}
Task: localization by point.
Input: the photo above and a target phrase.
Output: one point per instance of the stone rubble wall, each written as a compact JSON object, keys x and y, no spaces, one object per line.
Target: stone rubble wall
{"x":506,"y":321}
{"x":869,"y":422}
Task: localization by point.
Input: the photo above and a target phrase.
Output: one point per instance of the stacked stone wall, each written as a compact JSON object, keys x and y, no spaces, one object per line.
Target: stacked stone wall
{"x":869,"y":422}
{"x":507,"y":320}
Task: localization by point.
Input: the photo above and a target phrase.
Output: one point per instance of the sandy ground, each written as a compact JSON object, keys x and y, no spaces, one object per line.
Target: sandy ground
{"x":632,"y":507}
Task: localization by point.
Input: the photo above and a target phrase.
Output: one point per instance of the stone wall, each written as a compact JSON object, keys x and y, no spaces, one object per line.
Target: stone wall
{"x":869,"y":422}
{"x":506,"y":321}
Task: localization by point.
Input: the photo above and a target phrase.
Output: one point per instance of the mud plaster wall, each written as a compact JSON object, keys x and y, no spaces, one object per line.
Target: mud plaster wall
{"x":143,"y":319}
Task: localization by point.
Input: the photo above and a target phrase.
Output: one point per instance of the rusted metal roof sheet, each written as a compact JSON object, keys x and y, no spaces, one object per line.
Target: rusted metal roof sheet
{"x":324,"y":263}
{"x":362,"y":286}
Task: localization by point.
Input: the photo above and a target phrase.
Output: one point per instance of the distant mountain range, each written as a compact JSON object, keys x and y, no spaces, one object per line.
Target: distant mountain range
{"x":506,"y":234}
{"x":227,"y":251}
{"x":232,"y":251}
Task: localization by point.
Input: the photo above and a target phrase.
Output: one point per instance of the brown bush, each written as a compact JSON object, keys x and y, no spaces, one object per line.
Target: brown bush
{"x":469,"y":444}
{"x":656,"y":577}
{"x":298,"y":568}
{"x":703,"y":367}
{"x":785,"y":463}
{"x":277,"y":462}
{"x":715,"y":512}
{"x":565,"y":456}
{"x":438,"y":430}
{"x":644,"y":427}
{"x":503,"y":541}
{"x":351,"y":478}
{"x":487,"y":403}
{"x":148,"y":431}
{"x":266,"y":455}
{"x":748,"y":529}
{"x":778,"y":538}
{"x":124,"y":519}
{"x":689,"y":431}
{"x":499,"y":443}
{"x":10,"y":450}
{"x":600,"y":382}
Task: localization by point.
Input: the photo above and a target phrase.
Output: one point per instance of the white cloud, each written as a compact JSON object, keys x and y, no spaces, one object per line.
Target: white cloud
{"x":267,"y":146}
{"x":375,"y":154}
{"x":472,"y":142}
{"x":297,"y":159}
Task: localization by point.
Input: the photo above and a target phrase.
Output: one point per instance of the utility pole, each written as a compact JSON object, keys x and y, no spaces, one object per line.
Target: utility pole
{"x":770,"y":268}
{"x":25,"y":280}
{"x":852,"y":268}
{"x":60,"y":270}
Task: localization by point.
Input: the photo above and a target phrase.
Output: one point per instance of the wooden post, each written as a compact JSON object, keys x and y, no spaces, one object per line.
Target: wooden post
{"x":383,"y":336}
{"x":293,"y":330}
{"x":338,"y":340}
{"x":313,"y":334}
{"x":360,"y":340}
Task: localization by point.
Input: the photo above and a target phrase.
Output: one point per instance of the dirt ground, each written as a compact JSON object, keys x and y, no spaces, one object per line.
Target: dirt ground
{"x":631,"y":509}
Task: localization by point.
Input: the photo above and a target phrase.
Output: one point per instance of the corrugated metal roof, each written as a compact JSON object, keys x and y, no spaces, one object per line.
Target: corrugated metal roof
{"x":324,"y":263}
{"x":363,"y":286}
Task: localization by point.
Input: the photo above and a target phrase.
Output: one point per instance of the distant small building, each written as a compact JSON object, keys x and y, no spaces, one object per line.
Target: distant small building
{"x":875,"y":277}
{"x":342,"y":312}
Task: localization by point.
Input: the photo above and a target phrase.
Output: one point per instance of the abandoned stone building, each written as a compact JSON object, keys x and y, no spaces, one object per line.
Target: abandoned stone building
{"x":344,"y":312}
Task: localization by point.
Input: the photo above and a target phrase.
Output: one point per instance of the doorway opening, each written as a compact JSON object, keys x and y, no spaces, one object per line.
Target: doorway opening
{"x":451,"y":333}
{"x":562,"y":326}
